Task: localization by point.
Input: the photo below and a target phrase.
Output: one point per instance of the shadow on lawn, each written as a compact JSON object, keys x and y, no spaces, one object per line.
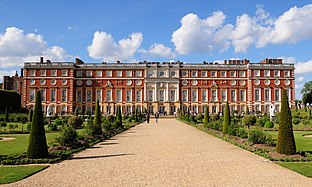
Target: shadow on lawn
{"x":102,"y":156}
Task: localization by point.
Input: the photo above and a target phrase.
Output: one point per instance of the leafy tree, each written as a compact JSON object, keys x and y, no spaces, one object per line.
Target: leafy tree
{"x":249,"y":120}
{"x":206,"y":116}
{"x":227,"y":119}
{"x":75,"y":122}
{"x":7,"y":116}
{"x":37,"y":146}
{"x":286,"y":141}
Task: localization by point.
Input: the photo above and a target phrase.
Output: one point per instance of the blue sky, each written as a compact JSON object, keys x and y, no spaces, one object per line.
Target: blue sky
{"x":130,"y":31}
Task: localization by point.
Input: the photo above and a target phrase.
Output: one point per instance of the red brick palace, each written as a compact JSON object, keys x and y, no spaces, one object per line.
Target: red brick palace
{"x":158,"y":86}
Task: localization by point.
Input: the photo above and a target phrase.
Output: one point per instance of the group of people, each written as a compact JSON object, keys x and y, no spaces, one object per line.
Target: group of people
{"x":148,"y":117}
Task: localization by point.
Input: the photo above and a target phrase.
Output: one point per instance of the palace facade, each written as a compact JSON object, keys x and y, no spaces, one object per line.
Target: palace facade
{"x":158,"y":86}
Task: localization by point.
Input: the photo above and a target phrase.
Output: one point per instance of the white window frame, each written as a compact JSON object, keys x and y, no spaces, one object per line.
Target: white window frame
{"x":129,"y":73}
{"x":32,"y":73}
{"x":129,"y":97}
{"x":173,"y":74}
{"x":162,"y":96}
{"x":286,"y":74}
{"x":223,"y":72}
{"x":64,"y":72}
{"x":43,"y":72}
{"x":195,"y":95}
{"x":138,"y":73}
{"x":43,"y":94}
{"x":109,"y":95}
{"x":109,"y":73}
{"x":89,"y":97}
{"x":256,"y":73}
{"x":205,"y":99}
{"x":267,"y":73}
{"x":79,"y":73}
{"x":79,"y":98}
{"x":119,"y":98}
{"x":204,"y":73}
{"x":214,"y":95}
{"x":99,"y":73}
{"x":232,"y":73}
{"x":32,"y":94}
{"x":62,"y":98}
{"x":242,"y":99}
{"x":173,"y":95}
{"x":98,"y":95}
{"x":269,"y":99}
{"x":194,"y":73}
{"x":242,"y":73}
{"x":213,"y":74}
{"x":279,"y":94}
{"x":150,"y":73}
{"x":55,"y":96}
{"x":53,"y":72}
{"x":89,"y":73}
{"x":184,"y":99}
{"x":259,"y":94}
{"x":235,"y":96}
{"x":277,"y":73}
{"x":184,"y":73}
{"x":119,"y":73}
{"x":150,"y":95}
{"x":162,"y":73}
{"x":138,"y":95}
{"x":223,"y":99}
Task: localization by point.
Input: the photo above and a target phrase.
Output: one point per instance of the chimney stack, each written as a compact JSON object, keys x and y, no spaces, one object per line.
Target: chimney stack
{"x":41,"y":59}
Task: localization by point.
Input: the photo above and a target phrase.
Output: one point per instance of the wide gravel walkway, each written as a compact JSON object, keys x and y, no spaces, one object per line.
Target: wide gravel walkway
{"x":167,"y":154}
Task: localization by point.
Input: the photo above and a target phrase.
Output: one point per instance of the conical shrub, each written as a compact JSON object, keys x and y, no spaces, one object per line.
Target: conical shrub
{"x":97,"y":128}
{"x":285,"y":141}
{"x":206,"y":116}
{"x":227,"y":119}
{"x":6,"y":115}
{"x":37,"y":146}
{"x":118,"y":122}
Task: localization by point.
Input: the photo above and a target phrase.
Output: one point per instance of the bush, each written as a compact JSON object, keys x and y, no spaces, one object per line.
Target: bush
{"x":241,"y":132}
{"x":75,"y":122}
{"x":227,"y":119}
{"x":53,"y":127}
{"x":257,"y":137}
{"x":215,"y":117}
{"x":296,"y":121}
{"x":269,"y":124}
{"x":261,"y":121}
{"x":249,"y":120}
{"x":3,"y":124}
{"x":68,"y":136}
{"x":28,"y":126}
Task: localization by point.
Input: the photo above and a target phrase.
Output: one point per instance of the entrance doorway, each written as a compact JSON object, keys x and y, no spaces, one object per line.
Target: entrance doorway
{"x":151,"y":109}
{"x":161,"y":109}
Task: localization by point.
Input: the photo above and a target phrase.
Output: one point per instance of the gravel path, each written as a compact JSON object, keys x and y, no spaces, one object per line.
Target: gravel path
{"x":167,"y":154}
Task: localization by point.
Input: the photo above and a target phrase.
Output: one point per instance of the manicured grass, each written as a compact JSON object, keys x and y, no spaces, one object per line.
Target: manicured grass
{"x":20,"y":144}
{"x":302,"y":143}
{"x":10,"y":174}
{"x":304,"y":168}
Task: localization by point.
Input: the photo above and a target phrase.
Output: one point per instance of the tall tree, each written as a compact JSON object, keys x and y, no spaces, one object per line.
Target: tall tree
{"x":206,"y":116}
{"x":30,"y":114}
{"x":227,"y":119}
{"x":118,"y":122}
{"x":6,"y":115}
{"x":37,"y":146}
{"x":286,"y":141}
{"x":97,"y":128}
{"x":306,"y":92}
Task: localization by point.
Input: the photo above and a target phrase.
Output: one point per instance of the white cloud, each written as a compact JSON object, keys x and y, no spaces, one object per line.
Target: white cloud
{"x":202,"y":35}
{"x":159,"y":50}
{"x":304,"y":67}
{"x":7,"y":73}
{"x":197,"y":35}
{"x":17,"y":47}
{"x":104,"y":47}
{"x":300,"y":79}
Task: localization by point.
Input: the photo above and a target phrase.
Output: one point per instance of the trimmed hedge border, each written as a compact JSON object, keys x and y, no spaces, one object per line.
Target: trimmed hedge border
{"x":262,"y":153}
{"x":55,"y":156}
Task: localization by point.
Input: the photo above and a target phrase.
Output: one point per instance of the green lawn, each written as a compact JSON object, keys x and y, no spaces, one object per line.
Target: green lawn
{"x":10,"y":174}
{"x":304,"y":168}
{"x":20,"y":144}
{"x":302,"y":143}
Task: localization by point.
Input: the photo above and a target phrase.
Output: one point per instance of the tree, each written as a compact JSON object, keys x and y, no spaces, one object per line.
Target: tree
{"x":118,"y":122}
{"x":30,"y":114}
{"x":306,"y":93}
{"x":37,"y":146}
{"x":285,"y":141}
{"x":227,"y":119}
{"x":7,"y":116}
{"x":206,"y":116}
{"x":249,"y":120}
{"x":97,"y":128}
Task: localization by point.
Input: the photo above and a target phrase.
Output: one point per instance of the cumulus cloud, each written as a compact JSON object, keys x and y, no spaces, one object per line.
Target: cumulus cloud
{"x":202,"y":35}
{"x":17,"y":47}
{"x":104,"y":47}
{"x":159,"y":50}
{"x":197,"y":35}
{"x":304,"y":67}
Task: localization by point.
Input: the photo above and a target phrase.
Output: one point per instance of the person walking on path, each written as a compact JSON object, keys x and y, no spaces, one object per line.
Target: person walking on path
{"x":156,"y":116}
{"x":148,"y":118}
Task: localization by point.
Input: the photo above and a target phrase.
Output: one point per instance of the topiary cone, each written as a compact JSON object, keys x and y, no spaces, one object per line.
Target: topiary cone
{"x":227,"y":119}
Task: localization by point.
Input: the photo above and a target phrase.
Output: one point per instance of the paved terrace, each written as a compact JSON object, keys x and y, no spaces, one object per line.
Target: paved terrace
{"x":167,"y":154}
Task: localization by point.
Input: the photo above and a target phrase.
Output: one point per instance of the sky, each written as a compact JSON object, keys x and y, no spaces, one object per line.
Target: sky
{"x":138,"y":30}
